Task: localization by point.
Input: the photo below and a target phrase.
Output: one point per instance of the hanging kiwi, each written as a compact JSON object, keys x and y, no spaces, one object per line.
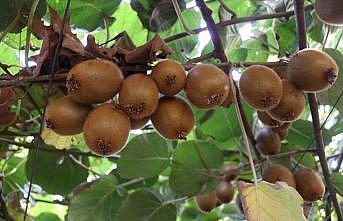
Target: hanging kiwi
{"x":174,"y":118}
{"x":225,"y":192}
{"x":94,"y":81}
{"x":206,"y":202}
{"x":261,"y":87}
{"x":330,"y":11}
{"x":277,"y":172}
{"x":207,"y":86}
{"x":291,"y":105}
{"x":65,"y":116}
{"x":229,"y":171}
{"x":268,"y":142}
{"x":312,"y":70}
{"x":106,"y":129}
{"x":138,"y":123}
{"x":229,"y":99}
{"x":138,"y":96}
{"x":264,"y":117}
{"x":169,"y":76}
{"x":282,"y":130}
{"x":309,"y":184}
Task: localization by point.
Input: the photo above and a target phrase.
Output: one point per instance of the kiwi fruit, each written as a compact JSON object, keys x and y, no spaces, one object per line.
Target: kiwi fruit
{"x":261,"y":87}
{"x":282,"y":130}
{"x":330,"y":11}
{"x":138,"y":96}
{"x":8,"y":118}
{"x":94,"y":81}
{"x":229,"y":171}
{"x":291,"y":105}
{"x":281,"y":71}
{"x":207,"y":86}
{"x":268,"y":142}
{"x":309,"y":184}
{"x":206,"y":202}
{"x":65,"y":116}
{"x":264,"y":117}
{"x":169,"y":76}
{"x":228,"y":100}
{"x":283,"y":134}
{"x":106,"y":129}
{"x":225,"y":192}
{"x":174,"y":118}
{"x":312,"y":70}
{"x":138,"y":123}
{"x":277,"y":172}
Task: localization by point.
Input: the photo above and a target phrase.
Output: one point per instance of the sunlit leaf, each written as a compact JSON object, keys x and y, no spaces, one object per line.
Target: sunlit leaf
{"x":58,"y":141}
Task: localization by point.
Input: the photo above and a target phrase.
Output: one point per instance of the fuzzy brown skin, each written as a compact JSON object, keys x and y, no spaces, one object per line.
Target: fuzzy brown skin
{"x":225,"y":192}
{"x":138,"y":96}
{"x":268,"y":142}
{"x":291,"y":105}
{"x":264,"y":117}
{"x":228,"y":100}
{"x":261,"y":87}
{"x":138,"y":124}
{"x":206,"y":202}
{"x":169,"y":76}
{"x":277,"y":172}
{"x":283,"y":134}
{"x":106,"y":130}
{"x":230,"y":171}
{"x":309,"y":184}
{"x":94,"y":81}
{"x":65,"y":116}
{"x":330,"y":11}
{"x":173,"y":119}
{"x":312,"y":70}
{"x":207,"y":86}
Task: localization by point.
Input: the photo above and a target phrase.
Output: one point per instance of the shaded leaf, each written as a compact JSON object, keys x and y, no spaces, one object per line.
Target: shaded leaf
{"x":45,"y":216}
{"x":14,"y":175}
{"x":337,"y":180}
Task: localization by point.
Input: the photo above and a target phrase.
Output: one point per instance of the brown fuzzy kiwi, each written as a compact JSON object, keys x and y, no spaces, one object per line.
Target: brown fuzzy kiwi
{"x":174,"y":118}
{"x":282,"y":130}
{"x":281,"y":71}
{"x":283,"y":134}
{"x":330,"y":11}
{"x":291,"y":105}
{"x":229,"y":171}
{"x":94,"y":81}
{"x":138,"y":123}
{"x":268,"y":120}
{"x":277,"y":172}
{"x":106,"y":129}
{"x":309,"y":184}
{"x":268,"y":142}
{"x":169,"y":76}
{"x":206,"y":202}
{"x":207,"y":86}
{"x":261,"y":87}
{"x":225,"y":192}
{"x":312,"y":70}
{"x":138,"y":96}
{"x":65,"y":116}
{"x":228,"y":100}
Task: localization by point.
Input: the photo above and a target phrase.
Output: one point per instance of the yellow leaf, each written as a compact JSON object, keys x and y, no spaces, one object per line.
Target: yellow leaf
{"x":271,"y":202}
{"x":58,"y":141}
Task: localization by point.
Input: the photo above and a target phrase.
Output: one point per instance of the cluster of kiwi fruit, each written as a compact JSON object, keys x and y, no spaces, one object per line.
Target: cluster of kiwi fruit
{"x":224,"y":192}
{"x":278,"y":101}
{"x":106,"y":125}
{"x":306,"y":181}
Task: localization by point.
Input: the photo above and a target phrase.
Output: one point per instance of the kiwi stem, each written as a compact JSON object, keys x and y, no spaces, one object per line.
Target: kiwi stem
{"x":299,"y":8}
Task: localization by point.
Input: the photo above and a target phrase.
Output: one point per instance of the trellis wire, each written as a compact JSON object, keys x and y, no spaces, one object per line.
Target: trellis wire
{"x":37,"y":140}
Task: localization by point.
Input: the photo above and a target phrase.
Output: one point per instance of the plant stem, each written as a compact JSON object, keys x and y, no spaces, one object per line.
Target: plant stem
{"x":302,"y":43}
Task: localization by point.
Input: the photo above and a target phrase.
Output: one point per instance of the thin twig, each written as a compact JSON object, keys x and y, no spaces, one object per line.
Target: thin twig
{"x":78,"y":162}
{"x":302,"y":43}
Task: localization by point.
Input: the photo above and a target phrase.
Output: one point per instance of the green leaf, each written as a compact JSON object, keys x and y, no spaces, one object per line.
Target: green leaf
{"x":144,"y":183}
{"x":14,"y":174}
{"x":330,"y":96}
{"x":192,"y":161}
{"x":145,"y":155}
{"x":337,"y":179}
{"x":145,"y":205}
{"x":47,"y":217}
{"x":87,"y":14}
{"x":100,"y":201}
{"x":52,"y":175}
{"x":286,"y":36}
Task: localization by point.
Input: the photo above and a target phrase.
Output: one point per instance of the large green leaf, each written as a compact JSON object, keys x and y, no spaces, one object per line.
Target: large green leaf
{"x":145,"y":205}
{"x":87,"y":14}
{"x":286,"y":36}
{"x":145,"y":155}
{"x":330,"y":96}
{"x":54,"y":176}
{"x":195,"y":165}
{"x":45,"y":216}
{"x":100,"y":201}
{"x":337,"y":179}
{"x":14,"y":175}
